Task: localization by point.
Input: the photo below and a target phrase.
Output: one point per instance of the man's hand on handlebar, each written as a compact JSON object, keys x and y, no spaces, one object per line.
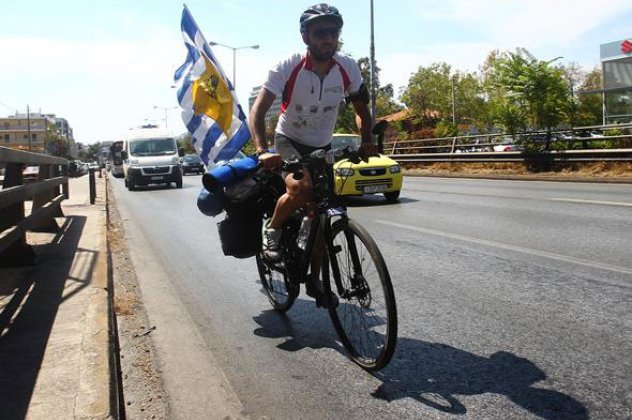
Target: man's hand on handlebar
{"x":270,"y":161}
{"x":367,"y":150}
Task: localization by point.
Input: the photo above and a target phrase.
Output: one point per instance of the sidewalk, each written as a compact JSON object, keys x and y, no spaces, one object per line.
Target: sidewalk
{"x":54,"y":324}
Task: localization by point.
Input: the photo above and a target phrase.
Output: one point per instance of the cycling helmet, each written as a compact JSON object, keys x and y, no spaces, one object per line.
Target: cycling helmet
{"x":319,"y":12}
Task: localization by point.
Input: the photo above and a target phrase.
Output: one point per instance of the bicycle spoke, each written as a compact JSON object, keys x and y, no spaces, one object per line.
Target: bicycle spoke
{"x":274,"y":280}
{"x":366,"y":317}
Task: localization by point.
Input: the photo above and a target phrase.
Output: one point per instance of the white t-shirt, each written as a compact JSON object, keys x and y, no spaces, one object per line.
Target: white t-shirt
{"x":310,"y":108}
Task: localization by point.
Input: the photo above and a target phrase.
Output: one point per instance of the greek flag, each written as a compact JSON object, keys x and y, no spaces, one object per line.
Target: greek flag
{"x":210,"y":109}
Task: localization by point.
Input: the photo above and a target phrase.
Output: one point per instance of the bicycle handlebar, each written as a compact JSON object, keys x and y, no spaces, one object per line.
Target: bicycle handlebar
{"x":221,"y":175}
{"x":320,"y":155}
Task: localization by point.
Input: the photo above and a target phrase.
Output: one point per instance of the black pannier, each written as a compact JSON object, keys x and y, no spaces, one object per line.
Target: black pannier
{"x":240,"y":231}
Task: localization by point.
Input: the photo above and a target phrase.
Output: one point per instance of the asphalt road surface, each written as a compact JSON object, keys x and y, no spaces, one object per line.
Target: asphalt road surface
{"x":514,"y":300}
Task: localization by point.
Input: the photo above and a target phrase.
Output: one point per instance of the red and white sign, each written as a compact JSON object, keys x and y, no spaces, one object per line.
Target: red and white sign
{"x":626,"y":47}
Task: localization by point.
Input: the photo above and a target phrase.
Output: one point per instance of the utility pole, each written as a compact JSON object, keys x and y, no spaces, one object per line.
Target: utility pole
{"x":453,"y":101}
{"x":373,"y":81}
{"x":28,"y":124}
{"x":45,"y":135}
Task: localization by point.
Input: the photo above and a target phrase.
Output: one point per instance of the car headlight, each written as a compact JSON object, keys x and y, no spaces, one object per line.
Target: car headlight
{"x":395,"y":169}
{"x":133,"y":162}
{"x":344,"y":171}
{"x":175,"y":160}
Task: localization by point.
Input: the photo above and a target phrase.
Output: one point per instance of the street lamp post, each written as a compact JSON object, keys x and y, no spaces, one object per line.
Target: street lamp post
{"x":254,"y":47}
{"x":165,"y":108}
{"x":373,"y":73}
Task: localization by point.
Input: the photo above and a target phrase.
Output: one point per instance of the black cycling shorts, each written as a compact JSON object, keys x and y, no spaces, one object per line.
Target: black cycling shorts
{"x":291,"y":149}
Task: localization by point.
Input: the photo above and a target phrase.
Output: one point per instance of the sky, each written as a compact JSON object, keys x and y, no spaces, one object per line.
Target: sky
{"x":107,"y":66}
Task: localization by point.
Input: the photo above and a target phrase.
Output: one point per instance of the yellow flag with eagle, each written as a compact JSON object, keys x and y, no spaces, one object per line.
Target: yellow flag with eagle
{"x":210,"y":109}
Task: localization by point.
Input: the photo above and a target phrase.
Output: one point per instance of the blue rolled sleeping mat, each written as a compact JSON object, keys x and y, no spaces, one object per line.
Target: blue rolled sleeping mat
{"x":211,"y":198}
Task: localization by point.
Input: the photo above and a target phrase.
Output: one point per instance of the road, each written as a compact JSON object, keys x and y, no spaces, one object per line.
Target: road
{"x":514,"y":301}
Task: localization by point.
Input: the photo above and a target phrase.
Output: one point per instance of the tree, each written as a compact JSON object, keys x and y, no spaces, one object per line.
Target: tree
{"x":57,"y":144}
{"x":470,"y":103}
{"x":428,"y":92}
{"x":530,"y":91}
{"x":590,"y":107}
{"x":385,"y":104}
{"x":573,"y":74}
{"x":90,"y":152}
{"x":429,"y":95}
{"x":184,"y":143}
{"x":504,"y":107}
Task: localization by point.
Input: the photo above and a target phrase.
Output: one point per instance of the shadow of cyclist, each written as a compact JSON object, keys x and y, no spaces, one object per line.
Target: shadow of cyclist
{"x":305,"y":328}
{"x":434,"y":374}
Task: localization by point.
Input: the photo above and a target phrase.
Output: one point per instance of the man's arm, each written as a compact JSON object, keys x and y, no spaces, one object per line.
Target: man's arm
{"x":363,"y":121}
{"x":257,"y":118}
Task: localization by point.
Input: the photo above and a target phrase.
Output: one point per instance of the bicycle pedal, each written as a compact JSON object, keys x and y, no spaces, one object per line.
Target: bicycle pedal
{"x":322,"y":301}
{"x":325,"y":302}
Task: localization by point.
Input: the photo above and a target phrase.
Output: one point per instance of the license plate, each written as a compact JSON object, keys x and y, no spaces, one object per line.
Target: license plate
{"x":156,"y":178}
{"x":375,"y":188}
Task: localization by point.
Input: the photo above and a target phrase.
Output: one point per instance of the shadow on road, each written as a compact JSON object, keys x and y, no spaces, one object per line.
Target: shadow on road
{"x":433,"y":374}
{"x":30,"y":298}
{"x":374,"y":200}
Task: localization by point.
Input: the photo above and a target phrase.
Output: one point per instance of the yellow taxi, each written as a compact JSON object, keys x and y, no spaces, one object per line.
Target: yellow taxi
{"x":380,"y":175}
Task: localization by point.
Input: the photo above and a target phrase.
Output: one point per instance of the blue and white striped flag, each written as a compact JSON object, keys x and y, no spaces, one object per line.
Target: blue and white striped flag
{"x":210,"y":109}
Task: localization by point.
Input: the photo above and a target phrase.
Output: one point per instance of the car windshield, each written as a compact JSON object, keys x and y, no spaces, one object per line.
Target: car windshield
{"x":153,"y":147}
{"x":340,"y":141}
{"x":192,"y":159}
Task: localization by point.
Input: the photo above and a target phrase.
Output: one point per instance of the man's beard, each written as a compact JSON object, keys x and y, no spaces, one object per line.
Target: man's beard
{"x":321,"y":55}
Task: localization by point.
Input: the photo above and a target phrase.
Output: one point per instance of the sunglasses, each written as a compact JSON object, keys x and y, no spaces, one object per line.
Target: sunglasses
{"x":322,"y":33}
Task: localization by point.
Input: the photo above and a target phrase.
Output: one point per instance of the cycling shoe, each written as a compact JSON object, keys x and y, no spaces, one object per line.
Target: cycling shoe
{"x":322,"y":301}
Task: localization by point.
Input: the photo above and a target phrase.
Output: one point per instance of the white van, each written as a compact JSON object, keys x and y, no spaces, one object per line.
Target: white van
{"x":151,"y":156}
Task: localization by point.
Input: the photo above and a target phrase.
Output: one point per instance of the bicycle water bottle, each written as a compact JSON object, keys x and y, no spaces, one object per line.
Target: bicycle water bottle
{"x":303,"y":232}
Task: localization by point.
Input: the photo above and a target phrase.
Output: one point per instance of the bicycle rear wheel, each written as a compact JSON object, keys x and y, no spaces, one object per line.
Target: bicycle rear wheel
{"x":366,"y":317}
{"x":275,"y":282}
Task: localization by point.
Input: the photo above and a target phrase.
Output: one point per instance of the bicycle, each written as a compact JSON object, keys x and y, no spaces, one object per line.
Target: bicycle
{"x":365,"y":314}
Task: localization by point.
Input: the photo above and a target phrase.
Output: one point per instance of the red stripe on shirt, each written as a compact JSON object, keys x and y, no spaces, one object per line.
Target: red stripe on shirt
{"x":289,"y":86}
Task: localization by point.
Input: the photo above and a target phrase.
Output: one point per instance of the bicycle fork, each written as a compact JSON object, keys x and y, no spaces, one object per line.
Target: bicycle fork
{"x":358,"y":285}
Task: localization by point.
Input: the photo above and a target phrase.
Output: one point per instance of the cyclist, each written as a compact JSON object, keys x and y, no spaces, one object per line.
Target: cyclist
{"x":312,"y":86}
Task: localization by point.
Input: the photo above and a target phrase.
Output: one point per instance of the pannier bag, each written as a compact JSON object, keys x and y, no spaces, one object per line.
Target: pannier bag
{"x":211,"y":203}
{"x":240,"y":231}
{"x":240,"y":234}
{"x":211,"y":199}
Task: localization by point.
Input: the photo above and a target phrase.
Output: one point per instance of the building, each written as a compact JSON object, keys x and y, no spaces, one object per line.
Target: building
{"x":31,"y":132}
{"x":616,"y":81}
{"x":273,"y":113}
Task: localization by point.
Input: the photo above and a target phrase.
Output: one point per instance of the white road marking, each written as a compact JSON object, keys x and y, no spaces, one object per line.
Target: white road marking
{"x":515,"y":248}
{"x":575,"y":200}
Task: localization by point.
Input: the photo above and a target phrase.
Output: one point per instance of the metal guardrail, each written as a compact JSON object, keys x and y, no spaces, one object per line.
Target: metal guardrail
{"x":47,"y":192}
{"x":529,"y":158}
{"x":541,"y":147}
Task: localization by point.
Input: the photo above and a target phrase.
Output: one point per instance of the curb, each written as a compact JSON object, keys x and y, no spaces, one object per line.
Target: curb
{"x":117,"y":399}
{"x":528,"y":178}
{"x":98,"y":383}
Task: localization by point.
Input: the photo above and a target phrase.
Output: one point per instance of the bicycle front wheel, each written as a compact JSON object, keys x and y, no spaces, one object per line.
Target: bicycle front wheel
{"x":366,"y":316}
